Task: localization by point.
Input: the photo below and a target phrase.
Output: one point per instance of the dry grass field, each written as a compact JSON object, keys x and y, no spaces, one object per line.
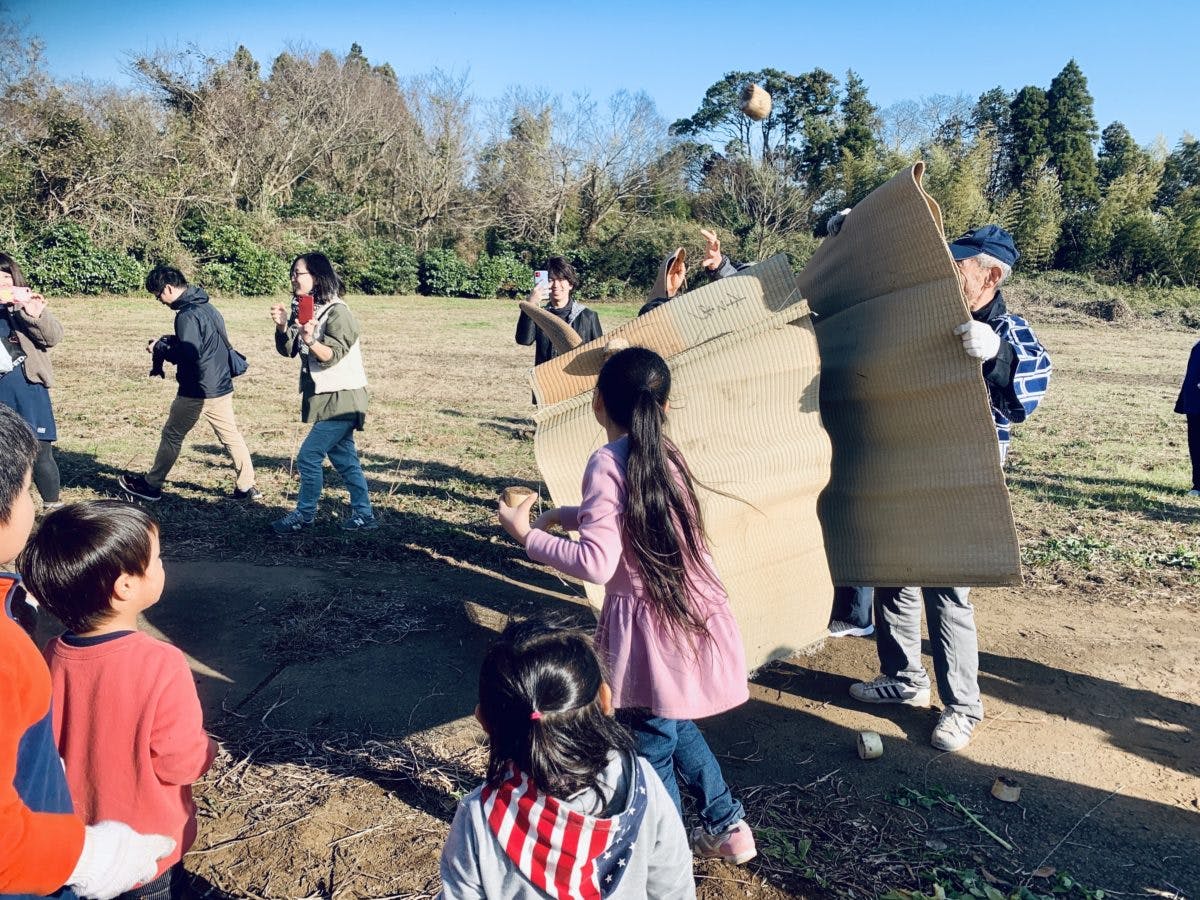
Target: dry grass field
{"x":338,"y":670}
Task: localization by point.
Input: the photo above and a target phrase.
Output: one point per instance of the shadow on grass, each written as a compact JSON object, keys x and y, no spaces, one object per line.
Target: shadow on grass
{"x":1110,"y":494}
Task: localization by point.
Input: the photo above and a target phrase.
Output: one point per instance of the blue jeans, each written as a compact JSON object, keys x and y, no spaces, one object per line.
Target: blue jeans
{"x":333,"y":438}
{"x":676,"y":745}
{"x":166,"y":886}
{"x":853,"y":605}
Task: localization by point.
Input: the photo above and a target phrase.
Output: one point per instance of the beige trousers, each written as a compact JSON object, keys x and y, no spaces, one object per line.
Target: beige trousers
{"x":185,"y":413}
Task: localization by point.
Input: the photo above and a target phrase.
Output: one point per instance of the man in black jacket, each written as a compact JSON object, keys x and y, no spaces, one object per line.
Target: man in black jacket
{"x":562,"y":280}
{"x":199,"y":350}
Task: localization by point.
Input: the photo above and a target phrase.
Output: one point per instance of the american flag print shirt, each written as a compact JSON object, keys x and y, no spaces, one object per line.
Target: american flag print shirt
{"x":564,"y":853}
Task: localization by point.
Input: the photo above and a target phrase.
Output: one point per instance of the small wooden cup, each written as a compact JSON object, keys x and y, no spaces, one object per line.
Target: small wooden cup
{"x":515,"y":495}
{"x":1006,"y":790}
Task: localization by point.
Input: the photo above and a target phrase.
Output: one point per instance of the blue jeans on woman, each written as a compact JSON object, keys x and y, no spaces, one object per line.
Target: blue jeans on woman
{"x":676,"y":746}
{"x":333,"y":438}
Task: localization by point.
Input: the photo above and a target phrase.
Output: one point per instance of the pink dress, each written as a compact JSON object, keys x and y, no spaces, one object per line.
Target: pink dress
{"x":649,"y":666}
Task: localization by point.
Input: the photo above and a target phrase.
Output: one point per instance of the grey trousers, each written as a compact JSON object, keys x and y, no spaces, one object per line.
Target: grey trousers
{"x":952,"y":636}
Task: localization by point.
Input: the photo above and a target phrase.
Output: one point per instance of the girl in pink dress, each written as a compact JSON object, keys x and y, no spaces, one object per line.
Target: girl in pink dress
{"x":666,"y":630}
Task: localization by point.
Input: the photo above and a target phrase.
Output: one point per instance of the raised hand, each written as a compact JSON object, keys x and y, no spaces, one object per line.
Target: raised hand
{"x":712,"y":250}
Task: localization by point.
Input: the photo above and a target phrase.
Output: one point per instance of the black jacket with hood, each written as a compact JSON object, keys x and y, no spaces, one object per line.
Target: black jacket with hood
{"x":198,"y":348}
{"x":585,"y":322}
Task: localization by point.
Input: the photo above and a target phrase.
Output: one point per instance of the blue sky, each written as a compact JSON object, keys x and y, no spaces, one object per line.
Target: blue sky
{"x":1141,"y":59}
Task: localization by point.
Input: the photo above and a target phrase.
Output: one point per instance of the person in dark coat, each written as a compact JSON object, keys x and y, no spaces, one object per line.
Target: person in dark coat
{"x":1188,"y":405}
{"x":556,"y":294}
{"x":199,"y":349}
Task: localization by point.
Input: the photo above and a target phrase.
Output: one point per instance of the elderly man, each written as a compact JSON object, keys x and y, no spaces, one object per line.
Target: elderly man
{"x":1016,"y":369}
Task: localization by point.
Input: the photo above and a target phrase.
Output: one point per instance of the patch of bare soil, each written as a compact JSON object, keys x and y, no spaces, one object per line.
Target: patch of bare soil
{"x":342,"y":768}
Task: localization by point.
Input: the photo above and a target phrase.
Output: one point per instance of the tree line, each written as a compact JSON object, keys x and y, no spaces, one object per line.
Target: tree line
{"x":410,"y":183}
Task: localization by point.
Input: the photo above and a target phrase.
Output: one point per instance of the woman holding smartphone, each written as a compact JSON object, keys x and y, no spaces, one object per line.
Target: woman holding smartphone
{"x":322,"y":331}
{"x":27,"y":332}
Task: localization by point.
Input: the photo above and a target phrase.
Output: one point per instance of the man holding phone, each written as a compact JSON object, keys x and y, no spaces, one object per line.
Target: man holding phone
{"x":552,"y":286}
{"x":200,"y":350}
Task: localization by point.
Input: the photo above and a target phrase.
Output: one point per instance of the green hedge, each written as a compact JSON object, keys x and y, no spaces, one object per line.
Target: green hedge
{"x":371,"y":265}
{"x":62,"y":259}
{"x":231,"y":257}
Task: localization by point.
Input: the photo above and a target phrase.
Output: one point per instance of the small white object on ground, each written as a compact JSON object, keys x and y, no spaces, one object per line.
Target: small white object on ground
{"x":870,"y":746}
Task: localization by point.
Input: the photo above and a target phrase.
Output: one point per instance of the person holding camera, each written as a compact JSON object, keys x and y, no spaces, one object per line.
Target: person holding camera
{"x":200,"y":351}
{"x":555,"y":293}
{"x":27,"y":332}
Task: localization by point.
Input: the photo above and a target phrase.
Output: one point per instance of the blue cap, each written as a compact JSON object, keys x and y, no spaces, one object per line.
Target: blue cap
{"x":990,"y":239}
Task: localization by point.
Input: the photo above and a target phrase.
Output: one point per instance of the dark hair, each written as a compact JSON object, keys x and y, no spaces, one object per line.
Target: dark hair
{"x":160,"y":276}
{"x":662,"y":521}
{"x":326,"y":283}
{"x":9,"y":265}
{"x":16,"y":459}
{"x":79,"y":552}
{"x":539,"y":689}
{"x":559,"y":267}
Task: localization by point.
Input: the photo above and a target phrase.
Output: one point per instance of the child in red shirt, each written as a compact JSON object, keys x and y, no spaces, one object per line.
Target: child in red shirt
{"x":127,"y":720}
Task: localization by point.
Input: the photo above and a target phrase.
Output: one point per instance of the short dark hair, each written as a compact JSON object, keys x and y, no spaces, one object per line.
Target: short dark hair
{"x":326,"y":283}
{"x":160,"y":276}
{"x":16,"y":460}
{"x":75,"y":558}
{"x":539,"y":689}
{"x":9,"y":265}
{"x":560,"y":267}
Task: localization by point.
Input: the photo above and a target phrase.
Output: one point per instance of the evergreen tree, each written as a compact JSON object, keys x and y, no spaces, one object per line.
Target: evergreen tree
{"x":1119,"y":154}
{"x":858,"y":119}
{"x":1071,"y":133}
{"x":991,"y":117}
{"x":1026,"y":143}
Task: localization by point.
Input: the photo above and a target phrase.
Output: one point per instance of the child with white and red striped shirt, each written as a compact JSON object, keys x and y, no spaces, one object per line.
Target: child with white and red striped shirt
{"x":568,"y":810}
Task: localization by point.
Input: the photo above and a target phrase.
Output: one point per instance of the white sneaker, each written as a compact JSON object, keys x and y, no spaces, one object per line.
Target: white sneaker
{"x":953,"y":731}
{"x":838,"y":628}
{"x":886,"y":689}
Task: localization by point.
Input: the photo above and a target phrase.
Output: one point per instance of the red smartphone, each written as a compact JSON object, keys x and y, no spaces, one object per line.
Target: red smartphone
{"x":304,"y":309}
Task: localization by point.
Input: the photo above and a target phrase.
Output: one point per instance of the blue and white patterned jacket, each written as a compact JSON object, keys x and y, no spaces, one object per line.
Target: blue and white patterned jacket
{"x":1019,"y":375}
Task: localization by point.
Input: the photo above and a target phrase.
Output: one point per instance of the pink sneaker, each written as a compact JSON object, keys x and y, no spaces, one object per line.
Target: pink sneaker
{"x":735,"y":845}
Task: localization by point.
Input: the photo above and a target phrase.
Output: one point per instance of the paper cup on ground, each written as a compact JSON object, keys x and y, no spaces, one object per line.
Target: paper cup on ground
{"x":515,"y":495}
{"x":870,"y":746}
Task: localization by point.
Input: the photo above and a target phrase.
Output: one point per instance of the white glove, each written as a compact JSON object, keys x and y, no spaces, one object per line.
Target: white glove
{"x":115,"y":858}
{"x":834,"y":225}
{"x":979,"y":340}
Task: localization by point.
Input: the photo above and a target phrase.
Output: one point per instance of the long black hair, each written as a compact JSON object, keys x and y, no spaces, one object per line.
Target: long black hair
{"x":539,"y":698}
{"x":326,"y":283}
{"x":662,"y":521}
{"x":9,"y":265}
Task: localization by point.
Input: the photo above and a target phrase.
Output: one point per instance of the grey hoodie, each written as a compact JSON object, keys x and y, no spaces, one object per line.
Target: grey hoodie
{"x":658,"y":862}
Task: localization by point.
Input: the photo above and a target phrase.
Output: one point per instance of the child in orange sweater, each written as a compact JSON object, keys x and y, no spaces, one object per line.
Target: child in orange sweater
{"x":127,"y":720}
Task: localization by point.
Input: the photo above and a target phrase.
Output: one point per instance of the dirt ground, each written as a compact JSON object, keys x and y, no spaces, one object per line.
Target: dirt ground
{"x":344,"y":765}
{"x":339,"y":673}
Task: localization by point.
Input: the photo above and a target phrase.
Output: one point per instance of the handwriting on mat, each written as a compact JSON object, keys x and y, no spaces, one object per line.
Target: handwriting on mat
{"x":708,"y":310}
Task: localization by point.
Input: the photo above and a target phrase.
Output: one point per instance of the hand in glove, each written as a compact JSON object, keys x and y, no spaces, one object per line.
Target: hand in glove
{"x":979,"y":340}
{"x":834,"y":225}
{"x":115,"y":858}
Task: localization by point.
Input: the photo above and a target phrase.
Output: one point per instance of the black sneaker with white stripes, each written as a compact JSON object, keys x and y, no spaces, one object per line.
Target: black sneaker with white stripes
{"x":886,"y":689}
